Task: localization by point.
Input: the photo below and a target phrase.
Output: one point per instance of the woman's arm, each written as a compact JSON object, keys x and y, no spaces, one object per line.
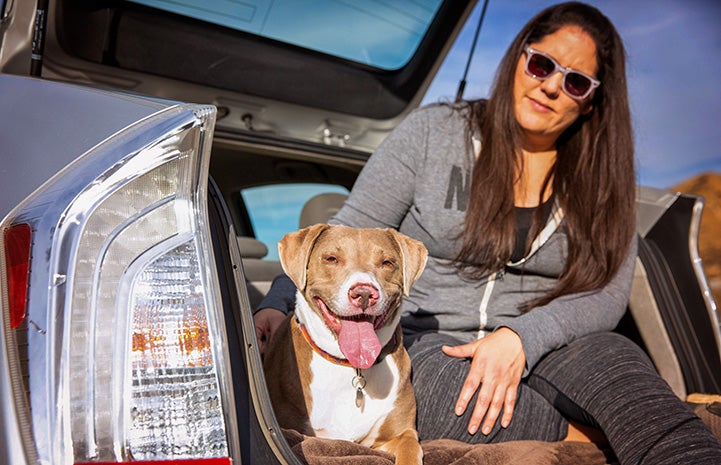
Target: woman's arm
{"x":554,"y":325}
{"x":385,"y":188}
{"x":277,"y":303}
{"x":502,"y":358}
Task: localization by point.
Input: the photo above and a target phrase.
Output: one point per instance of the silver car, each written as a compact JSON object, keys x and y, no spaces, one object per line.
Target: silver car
{"x":138,"y":230}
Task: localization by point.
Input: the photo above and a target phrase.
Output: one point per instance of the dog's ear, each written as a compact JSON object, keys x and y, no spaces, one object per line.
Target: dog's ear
{"x":294,"y":250}
{"x":414,"y":255}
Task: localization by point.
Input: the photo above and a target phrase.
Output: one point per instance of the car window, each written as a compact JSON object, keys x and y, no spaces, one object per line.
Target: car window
{"x":375,"y":32}
{"x":274,"y":210}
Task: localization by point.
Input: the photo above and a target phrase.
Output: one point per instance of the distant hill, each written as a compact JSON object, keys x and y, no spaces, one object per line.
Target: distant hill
{"x":708,"y":185}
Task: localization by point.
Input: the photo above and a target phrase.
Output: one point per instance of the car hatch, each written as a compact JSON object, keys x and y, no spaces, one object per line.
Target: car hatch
{"x":278,"y":69}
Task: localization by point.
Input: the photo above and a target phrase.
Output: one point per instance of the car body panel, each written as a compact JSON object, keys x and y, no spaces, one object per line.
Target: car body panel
{"x":53,"y":135}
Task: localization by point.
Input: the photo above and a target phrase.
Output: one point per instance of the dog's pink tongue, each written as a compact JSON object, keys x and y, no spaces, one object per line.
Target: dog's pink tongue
{"x":359,"y":343}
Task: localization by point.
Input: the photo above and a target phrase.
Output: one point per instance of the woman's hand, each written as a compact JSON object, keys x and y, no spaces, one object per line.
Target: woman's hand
{"x":497,"y":364}
{"x":266,"y":321}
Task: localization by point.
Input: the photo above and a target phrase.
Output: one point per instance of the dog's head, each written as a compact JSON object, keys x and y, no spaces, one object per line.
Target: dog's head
{"x":353,"y":279}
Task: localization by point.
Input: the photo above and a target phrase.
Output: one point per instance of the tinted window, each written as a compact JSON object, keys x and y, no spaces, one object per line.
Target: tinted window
{"x":379,"y":33}
{"x":274,"y":210}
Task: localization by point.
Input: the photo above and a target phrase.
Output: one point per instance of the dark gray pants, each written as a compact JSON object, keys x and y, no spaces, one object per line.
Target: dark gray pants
{"x":602,"y":380}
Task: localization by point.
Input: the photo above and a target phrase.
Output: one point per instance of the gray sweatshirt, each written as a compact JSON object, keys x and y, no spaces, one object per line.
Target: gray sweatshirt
{"x":418,"y":181}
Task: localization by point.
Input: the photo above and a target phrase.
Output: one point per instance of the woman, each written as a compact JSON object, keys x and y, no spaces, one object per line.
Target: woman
{"x":526,"y":205}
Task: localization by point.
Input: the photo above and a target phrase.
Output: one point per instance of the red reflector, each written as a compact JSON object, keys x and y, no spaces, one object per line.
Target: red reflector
{"x":215,"y":461}
{"x":17,"y":258}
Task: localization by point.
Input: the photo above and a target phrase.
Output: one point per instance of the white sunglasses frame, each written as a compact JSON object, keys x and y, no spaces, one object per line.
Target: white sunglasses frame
{"x":530,"y":51}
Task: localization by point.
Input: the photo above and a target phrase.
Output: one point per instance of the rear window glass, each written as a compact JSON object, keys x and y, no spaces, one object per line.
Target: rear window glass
{"x":274,"y":210}
{"x":379,"y":33}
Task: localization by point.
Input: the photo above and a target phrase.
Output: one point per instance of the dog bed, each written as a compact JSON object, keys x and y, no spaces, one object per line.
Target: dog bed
{"x":317,"y":451}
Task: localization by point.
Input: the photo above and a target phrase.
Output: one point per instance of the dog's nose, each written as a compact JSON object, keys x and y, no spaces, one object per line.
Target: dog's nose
{"x":363,"y":295}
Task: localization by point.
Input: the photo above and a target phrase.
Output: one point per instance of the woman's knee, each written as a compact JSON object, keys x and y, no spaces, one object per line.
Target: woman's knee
{"x":605,"y":348}
{"x":592,"y":366}
{"x":432,"y":369}
{"x":437,"y":380}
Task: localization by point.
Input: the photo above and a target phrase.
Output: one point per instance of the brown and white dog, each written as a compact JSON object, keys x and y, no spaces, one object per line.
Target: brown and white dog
{"x":337,"y":368}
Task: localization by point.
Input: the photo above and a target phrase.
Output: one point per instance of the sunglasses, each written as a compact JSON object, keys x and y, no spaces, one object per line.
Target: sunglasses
{"x":576,"y":84}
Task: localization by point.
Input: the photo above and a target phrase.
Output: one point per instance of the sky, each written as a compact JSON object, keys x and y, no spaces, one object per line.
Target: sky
{"x":673,"y":68}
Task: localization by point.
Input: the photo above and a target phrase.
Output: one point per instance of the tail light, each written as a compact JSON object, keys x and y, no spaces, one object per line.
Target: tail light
{"x":17,"y":259}
{"x":125,"y":339}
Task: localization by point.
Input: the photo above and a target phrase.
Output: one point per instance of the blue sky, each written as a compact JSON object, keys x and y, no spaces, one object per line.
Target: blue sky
{"x":674,"y":74}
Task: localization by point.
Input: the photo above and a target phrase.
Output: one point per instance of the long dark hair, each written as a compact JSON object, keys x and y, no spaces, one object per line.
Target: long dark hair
{"x":593,"y":178}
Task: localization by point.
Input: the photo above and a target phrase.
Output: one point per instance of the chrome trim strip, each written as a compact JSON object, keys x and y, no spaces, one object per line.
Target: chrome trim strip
{"x":697,"y":264}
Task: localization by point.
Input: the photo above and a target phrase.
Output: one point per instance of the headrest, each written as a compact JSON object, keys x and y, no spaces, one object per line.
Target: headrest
{"x":251,"y":247}
{"x":320,"y":208}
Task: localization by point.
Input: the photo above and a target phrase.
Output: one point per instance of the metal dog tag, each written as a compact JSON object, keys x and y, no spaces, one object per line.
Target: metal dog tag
{"x":359,"y":382}
{"x":359,"y":397}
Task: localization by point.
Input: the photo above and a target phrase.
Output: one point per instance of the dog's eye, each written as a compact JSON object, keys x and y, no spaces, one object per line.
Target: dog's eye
{"x":388,"y":264}
{"x":330,"y":259}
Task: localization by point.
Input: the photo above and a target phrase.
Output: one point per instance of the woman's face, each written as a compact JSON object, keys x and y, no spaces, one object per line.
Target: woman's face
{"x":542,"y":108}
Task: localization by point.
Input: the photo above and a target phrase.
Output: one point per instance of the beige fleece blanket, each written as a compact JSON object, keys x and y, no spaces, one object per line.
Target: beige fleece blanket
{"x":316,"y":451}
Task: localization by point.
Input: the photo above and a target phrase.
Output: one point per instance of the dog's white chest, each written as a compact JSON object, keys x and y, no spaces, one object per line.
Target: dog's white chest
{"x":334,"y":413}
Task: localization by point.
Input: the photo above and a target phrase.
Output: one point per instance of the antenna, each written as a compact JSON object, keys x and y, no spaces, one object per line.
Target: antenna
{"x":462,"y":84}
